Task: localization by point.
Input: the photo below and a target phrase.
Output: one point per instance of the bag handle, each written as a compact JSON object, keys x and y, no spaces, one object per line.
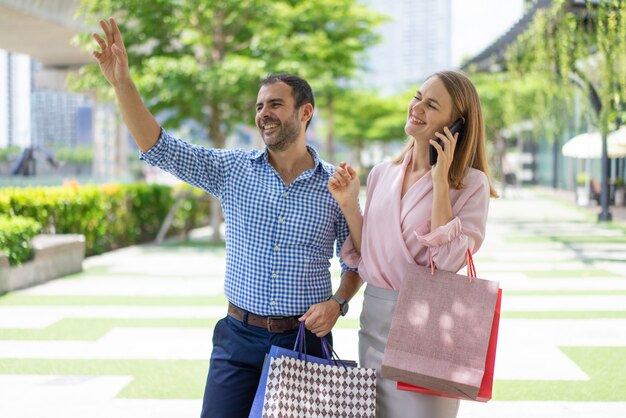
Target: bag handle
{"x":300,"y":344}
{"x":328,"y":351}
{"x":331,"y":355}
{"x":471,"y":268}
{"x":469,"y":262}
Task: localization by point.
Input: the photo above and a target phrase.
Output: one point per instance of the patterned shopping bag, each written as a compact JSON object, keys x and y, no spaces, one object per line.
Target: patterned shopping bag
{"x":299,"y":351}
{"x":298,"y":388}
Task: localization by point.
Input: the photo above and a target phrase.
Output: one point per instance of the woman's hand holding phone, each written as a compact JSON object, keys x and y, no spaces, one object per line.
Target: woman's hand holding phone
{"x":457,"y":126}
{"x":444,"y":147}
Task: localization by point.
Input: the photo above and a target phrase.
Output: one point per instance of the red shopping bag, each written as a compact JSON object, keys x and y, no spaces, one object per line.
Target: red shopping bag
{"x":486,"y":386}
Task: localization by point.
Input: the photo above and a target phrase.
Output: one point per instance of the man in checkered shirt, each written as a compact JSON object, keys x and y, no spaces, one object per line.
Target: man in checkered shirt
{"x":282,"y":227}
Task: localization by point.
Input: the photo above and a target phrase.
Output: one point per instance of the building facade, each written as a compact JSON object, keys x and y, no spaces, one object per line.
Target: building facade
{"x":415,"y":41}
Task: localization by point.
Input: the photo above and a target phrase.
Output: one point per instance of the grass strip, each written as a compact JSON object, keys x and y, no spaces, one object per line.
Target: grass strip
{"x":604,"y":365}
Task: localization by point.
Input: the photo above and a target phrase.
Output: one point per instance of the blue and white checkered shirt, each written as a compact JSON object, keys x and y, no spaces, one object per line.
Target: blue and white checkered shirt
{"x":279,"y":239}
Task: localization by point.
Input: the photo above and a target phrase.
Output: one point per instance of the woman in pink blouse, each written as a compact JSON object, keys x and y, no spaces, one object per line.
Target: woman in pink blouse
{"x":415,"y":212}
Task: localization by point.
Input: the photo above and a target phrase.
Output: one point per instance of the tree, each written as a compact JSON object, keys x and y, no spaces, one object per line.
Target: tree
{"x":363,"y":117}
{"x":585,"y":46}
{"x":507,"y":101}
{"x":202,"y":60}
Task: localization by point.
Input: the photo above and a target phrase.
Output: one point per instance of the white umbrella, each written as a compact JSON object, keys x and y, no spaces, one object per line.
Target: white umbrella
{"x":618,"y":138}
{"x":589,"y":145}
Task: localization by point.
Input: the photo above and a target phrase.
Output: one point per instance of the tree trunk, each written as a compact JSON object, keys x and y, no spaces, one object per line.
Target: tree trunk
{"x":330,"y":138}
{"x":218,"y":138}
{"x":358,"y":163}
{"x":216,"y":134}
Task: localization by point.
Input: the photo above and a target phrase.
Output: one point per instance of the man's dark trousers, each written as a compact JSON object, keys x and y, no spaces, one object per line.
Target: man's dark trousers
{"x":236,"y":363}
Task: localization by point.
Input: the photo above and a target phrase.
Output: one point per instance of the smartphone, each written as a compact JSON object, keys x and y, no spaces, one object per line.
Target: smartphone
{"x":457,"y":126}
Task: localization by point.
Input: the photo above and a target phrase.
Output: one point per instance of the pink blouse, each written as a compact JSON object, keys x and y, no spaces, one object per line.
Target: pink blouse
{"x":391,"y":222}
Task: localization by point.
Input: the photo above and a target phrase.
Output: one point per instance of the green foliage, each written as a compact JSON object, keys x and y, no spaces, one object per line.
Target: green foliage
{"x":203,"y":59}
{"x":560,"y":43}
{"x":110,"y":216}
{"x":506,"y":99}
{"x":363,"y":116}
{"x":77,"y":155}
{"x":8,"y":153}
{"x":15,"y":235}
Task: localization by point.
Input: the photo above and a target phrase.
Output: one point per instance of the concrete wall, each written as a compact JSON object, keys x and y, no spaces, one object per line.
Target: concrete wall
{"x":55,"y":256}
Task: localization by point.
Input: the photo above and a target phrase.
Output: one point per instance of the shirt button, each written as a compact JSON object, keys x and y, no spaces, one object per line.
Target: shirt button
{"x":280,"y":220}
{"x":274,"y":303}
{"x":274,"y":275}
{"x":285,"y":194}
{"x":275,"y":247}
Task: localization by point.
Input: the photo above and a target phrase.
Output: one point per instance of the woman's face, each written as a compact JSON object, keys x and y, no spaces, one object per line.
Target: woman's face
{"x":429,"y":111}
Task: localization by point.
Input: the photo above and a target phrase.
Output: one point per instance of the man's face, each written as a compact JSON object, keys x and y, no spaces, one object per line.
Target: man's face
{"x":276,"y":116}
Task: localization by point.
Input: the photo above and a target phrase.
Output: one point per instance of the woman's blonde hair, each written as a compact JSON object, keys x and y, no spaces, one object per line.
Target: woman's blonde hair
{"x":471,"y":151}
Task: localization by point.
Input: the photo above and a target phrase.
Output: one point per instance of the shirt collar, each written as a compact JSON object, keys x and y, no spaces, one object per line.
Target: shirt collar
{"x":263,"y":154}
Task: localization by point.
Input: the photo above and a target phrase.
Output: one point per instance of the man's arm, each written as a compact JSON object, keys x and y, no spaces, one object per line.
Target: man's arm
{"x":321,"y":317}
{"x":113,"y":62}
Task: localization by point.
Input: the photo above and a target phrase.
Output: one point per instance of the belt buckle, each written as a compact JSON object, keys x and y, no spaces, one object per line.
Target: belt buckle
{"x":269,"y":323}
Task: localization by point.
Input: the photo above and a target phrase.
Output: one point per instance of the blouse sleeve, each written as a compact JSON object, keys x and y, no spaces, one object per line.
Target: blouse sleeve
{"x":448,"y":244}
{"x":349,"y":254}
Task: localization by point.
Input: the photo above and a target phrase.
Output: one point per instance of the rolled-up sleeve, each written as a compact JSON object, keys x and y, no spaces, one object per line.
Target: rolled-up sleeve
{"x":448,"y":244}
{"x":349,"y":254}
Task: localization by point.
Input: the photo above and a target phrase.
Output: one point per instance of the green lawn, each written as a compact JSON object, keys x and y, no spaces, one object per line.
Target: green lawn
{"x":607,"y":382}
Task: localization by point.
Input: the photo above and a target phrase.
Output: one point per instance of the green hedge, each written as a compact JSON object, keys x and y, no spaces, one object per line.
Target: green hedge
{"x":15,"y":235}
{"x":110,"y":216}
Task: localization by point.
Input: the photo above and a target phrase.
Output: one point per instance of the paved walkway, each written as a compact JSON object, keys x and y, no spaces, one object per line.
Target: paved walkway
{"x":130,"y":337}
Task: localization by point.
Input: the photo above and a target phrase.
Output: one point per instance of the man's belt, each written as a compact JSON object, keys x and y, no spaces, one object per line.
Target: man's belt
{"x":275,"y":324}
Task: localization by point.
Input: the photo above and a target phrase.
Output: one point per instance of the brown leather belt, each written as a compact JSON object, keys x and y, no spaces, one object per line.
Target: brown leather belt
{"x":275,"y":324}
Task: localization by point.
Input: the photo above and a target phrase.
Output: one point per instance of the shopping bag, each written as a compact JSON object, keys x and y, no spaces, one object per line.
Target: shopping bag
{"x":300,"y":388}
{"x":440,"y":331}
{"x":298,"y":351}
{"x":486,"y":386}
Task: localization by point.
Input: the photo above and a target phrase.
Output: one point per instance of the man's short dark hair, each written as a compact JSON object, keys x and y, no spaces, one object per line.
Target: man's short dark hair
{"x":300,"y":89}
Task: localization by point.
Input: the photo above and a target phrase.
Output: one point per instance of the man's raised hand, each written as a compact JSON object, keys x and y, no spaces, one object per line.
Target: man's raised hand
{"x":112,"y":58}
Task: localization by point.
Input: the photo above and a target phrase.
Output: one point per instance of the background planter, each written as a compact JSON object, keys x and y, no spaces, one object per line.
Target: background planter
{"x":55,"y":256}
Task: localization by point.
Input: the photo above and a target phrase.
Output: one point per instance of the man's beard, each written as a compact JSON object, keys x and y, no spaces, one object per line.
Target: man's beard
{"x":286,"y":135}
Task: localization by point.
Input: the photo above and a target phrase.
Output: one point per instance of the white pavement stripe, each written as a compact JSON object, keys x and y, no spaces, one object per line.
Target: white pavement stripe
{"x":28,"y":321}
{"x":70,"y":406}
{"x":22,"y":389}
{"x":42,"y":316}
{"x":515,"y":282}
{"x":525,"y":409}
{"x":540,"y":360}
{"x":521,"y":266}
{"x":67,"y":405}
{"x":146,"y":343}
{"x":565,"y":332}
{"x":563,"y":303}
{"x":537,"y":361}
{"x":19,"y":313}
{"x":119,"y":343}
{"x":129,"y":287}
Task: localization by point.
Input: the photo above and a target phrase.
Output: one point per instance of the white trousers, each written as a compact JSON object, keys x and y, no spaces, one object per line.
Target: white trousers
{"x":378,"y":307}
